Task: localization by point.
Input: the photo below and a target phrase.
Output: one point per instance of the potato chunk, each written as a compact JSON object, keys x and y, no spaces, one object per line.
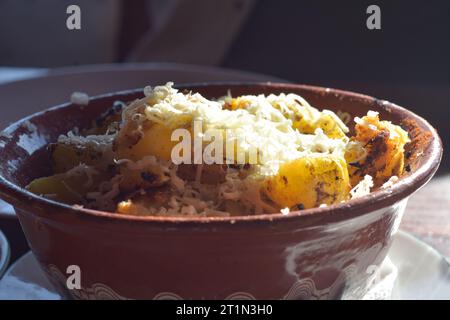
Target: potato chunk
{"x":67,"y":188}
{"x":306,"y":119}
{"x":329,"y":126}
{"x":155,"y":139}
{"x":66,"y":156}
{"x":309,"y":182}
{"x":384,"y":145}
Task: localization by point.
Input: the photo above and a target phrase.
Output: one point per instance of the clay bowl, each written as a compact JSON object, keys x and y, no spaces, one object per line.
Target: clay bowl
{"x":326,"y":253}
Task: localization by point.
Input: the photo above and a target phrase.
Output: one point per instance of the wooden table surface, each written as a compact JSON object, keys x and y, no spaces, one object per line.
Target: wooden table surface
{"x":427,"y":215}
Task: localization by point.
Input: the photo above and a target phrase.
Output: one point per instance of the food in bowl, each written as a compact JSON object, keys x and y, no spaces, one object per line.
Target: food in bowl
{"x":175,"y":153}
{"x":318,"y":253}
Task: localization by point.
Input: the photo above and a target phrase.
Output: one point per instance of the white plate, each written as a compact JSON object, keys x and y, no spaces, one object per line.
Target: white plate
{"x":422,"y":274}
{"x":4,"y":253}
{"x":48,"y":88}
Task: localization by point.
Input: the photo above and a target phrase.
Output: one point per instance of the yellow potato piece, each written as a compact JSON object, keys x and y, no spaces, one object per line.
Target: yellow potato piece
{"x":305,"y":121}
{"x":325,"y":122}
{"x":67,"y":156}
{"x":384,"y":144}
{"x":155,"y":140}
{"x":309,"y":182}
{"x":60,"y":187}
{"x":236,"y":103}
{"x":329,"y":127}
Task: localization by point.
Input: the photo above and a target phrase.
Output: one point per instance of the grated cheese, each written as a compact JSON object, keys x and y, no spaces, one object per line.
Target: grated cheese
{"x":390,"y":182}
{"x":79,"y":98}
{"x":259,"y":126}
{"x":264,"y":124}
{"x":362,"y":188}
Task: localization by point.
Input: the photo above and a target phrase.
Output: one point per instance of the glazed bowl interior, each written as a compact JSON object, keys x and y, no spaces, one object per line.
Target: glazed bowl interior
{"x":24,"y":156}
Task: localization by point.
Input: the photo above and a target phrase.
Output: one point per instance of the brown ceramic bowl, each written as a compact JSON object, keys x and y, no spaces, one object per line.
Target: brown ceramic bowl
{"x":326,"y":253}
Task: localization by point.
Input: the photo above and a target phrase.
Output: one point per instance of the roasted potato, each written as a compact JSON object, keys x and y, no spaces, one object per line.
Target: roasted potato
{"x":306,"y":119}
{"x":66,"y":156}
{"x":329,"y":126}
{"x":154,"y":139}
{"x":66,"y":188}
{"x":384,"y":145}
{"x":309,"y":182}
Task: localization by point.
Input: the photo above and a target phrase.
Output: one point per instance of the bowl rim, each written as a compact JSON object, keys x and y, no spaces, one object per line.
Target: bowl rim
{"x":377,"y":199}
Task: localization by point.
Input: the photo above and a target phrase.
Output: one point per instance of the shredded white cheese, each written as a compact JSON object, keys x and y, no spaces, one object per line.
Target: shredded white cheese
{"x":259,"y":126}
{"x":362,"y":188}
{"x":264,"y":124}
{"x":390,"y":182}
{"x":79,"y":98}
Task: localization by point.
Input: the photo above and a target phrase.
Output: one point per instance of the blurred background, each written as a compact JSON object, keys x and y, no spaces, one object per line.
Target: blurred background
{"x":317,"y":42}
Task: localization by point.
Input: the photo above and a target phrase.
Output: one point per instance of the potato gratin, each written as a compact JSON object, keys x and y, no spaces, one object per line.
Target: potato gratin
{"x":271,"y":154}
